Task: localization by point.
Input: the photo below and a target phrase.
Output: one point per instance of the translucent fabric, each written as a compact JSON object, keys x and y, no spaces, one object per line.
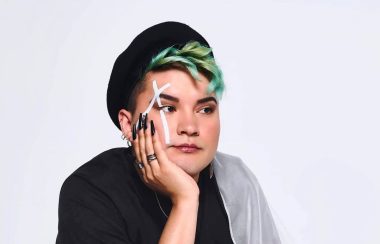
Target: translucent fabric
{"x":249,"y":216}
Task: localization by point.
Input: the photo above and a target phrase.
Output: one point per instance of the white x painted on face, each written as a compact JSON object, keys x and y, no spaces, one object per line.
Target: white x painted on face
{"x":155,"y":98}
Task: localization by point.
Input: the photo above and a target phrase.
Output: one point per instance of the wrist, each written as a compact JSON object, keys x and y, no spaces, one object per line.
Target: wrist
{"x":190,"y":200}
{"x":185,"y":207}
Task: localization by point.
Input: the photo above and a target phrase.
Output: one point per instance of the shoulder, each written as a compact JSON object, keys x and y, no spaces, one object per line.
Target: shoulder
{"x":223,"y":157}
{"x":108,"y":159}
{"x":231,"y":162}
{"x":88,"y":202}
{"x":109,"y":170}
{"x":232,"y":169}
{"x":241,"y":192}
{"x":106,"y":165}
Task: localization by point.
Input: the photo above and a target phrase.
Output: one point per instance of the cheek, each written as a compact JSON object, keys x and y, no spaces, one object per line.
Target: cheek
{"x":211,"y":123}
{"x":170,"y":120}
{"x":210,"y":130}
{"x":155,"y":116}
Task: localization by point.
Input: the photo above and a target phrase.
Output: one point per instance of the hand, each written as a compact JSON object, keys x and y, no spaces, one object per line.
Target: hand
{"x":161,"y":174}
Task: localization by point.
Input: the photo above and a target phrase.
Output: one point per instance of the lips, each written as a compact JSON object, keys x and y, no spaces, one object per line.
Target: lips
{"x":187,"y":148}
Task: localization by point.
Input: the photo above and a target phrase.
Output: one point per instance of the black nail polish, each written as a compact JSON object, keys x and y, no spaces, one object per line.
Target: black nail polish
{"x":134,"y":132}
{"x":140,"y":121}
{"x":143,"y":122}
{"x":146,"y":122}
{"x":152,"y":129}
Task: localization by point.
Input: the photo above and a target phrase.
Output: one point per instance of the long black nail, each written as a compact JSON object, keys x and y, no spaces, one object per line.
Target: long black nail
{"x":140,"y":121}
{"x":134,"y":132}
{"x":146,"y":121}
{"x":143,"y":122}
{"x":152,"y":129}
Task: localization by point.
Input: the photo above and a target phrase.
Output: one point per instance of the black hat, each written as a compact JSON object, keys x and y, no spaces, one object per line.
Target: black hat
{"x":131,"y":63}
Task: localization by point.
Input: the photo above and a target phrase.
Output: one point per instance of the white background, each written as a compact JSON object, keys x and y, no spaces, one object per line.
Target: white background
{"x":301,"y":106}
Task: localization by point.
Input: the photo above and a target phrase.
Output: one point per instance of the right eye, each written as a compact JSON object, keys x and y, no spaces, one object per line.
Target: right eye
{"x":167,"y":108}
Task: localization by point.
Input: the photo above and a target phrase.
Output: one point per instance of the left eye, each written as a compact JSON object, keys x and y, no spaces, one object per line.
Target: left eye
{"x":206,"y":110}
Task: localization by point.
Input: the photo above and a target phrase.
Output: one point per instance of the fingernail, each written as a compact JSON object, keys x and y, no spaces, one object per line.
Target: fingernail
{"x":134,"y":132}
{"x":146,"y":122}
{"x":143,"y":122}
{"x":152,"y":129}
{"x":140,"y":121}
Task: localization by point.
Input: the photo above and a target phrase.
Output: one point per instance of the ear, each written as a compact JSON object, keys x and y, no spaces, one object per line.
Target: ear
{"x":125,"y":121}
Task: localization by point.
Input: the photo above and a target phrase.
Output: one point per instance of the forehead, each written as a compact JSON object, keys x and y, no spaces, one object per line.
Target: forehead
{"x":182,"y":84}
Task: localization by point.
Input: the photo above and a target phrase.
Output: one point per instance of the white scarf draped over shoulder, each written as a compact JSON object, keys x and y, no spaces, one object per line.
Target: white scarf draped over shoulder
{"x":249,"y":216}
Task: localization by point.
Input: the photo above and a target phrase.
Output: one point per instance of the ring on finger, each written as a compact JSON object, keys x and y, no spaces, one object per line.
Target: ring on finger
{"x":151,"y":157}
{"x":139,"y":164}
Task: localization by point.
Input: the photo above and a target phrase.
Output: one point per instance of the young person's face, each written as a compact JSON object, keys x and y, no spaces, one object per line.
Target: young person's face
{"x":192,"y":116}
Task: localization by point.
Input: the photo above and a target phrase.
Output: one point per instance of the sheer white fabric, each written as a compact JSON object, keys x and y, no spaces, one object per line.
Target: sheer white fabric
{"x":249,"y":216}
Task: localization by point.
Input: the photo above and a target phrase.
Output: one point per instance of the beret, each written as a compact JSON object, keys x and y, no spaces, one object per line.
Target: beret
{"x":131,"y":63}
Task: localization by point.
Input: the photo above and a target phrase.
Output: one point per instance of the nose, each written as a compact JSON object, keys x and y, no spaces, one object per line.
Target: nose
{"x":187,"y":124}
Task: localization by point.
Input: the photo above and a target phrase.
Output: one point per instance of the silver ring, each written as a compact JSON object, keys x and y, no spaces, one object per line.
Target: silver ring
{"x":151,"y":157}
{"x":139,"y":165}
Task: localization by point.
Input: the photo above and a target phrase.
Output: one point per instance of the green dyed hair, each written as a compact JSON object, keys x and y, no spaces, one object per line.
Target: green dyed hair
{"x":194,"y":58}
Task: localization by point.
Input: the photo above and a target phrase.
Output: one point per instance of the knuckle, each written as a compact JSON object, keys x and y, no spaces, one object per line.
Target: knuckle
{"x":150,"y":177}
{"x":164,"y":170}
{"x":145,"y":178}
{"x":156,"y":174}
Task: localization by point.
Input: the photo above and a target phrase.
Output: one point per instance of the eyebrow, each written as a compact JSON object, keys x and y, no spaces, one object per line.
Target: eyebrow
{"x":200,"y":101}
{"x":207,"y":99}
{"x":168,"y":97}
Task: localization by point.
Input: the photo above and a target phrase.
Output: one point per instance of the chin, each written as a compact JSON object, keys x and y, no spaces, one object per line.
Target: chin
{"x":192,"y":164}
{"x":190,"y":168}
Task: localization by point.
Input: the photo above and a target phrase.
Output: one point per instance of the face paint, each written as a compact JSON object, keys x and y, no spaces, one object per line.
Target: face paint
{"x":155,"y":98}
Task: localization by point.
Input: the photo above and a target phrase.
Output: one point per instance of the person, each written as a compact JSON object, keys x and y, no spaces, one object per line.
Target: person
{"x":170,"y":185}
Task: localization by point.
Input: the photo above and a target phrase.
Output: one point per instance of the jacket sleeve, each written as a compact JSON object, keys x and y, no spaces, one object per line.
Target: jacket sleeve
{"x":87,"y":215}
